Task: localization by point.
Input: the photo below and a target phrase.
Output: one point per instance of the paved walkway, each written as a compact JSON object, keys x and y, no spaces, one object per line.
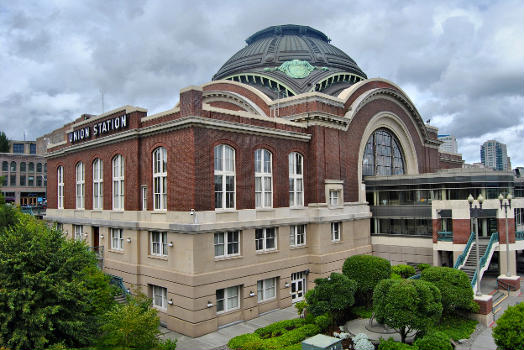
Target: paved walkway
{"x":219,"y":339}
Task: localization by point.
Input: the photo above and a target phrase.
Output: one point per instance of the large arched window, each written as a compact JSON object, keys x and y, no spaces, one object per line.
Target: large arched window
{"x":224,"y":177}
{"x":60,"y":189}
{"x":118,"y":183}
{"x":382,"y":155}
{"x":13,"y":167}
{"x":296,"y":180}
{"x":38,"y":167}
{"x":263,"y":179}
{"x":80,"y":185}
{"x":98,"y":184}
{"x":160,"y":179}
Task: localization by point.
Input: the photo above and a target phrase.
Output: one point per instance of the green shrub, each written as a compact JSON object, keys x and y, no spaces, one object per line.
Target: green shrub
{"x":362,"y":311}
{"x":323,"y":322}
{"x":422,"y":267}
{"x":297,"y":346}
{"x":456,"y":327}
{"x":292,"y":337}
{"x":455,"y":288}
{"x":300,"y":306}
{"x":395,"y":276}
{"x":280,"y":326}
{"x":404,"y":271}
{"x":237,"y":343}
{"x":434,"y":341}
{"x":309,"y":319}
{"x":367,"y":271}
{"x":167,"y":344}
{"x":391,"y":344}
{"x":509,"y":331}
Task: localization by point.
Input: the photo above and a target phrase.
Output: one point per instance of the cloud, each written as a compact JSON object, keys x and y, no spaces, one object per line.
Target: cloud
{"x":459,"y":61}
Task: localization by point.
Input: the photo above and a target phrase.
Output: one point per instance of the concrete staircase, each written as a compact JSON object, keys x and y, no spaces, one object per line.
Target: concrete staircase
{"x":471,"y":262}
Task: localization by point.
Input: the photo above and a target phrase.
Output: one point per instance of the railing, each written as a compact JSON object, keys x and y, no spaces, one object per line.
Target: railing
{"x":486,"y":258}
{"x":503,"y":285}
{"x":519,"y":235}
{"x":445,"y":236}
{"x":462,"y":257}
{"x":119,"y":282}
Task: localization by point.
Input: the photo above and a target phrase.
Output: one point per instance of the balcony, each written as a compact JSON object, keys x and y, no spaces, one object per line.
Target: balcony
{"x":445,"y":236}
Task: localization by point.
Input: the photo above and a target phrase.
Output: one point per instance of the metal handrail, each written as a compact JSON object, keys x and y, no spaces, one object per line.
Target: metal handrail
{"x":445,"y":236}
{"x":494,"y":238}
{"x":119,"y":282}
{"x":462,"y":257}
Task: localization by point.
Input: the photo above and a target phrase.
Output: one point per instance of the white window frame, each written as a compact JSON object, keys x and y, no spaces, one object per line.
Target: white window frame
{"x":263,"y":179}
{"x":158,"y":243}
{"x":263,"y":236}
{"x":117,"y":239}
{"x":118,"y":172}
{"x":226,"y":303}
{"x":224,"y":169}
{"x":78,"y":232}
{"x":159,"y":296}
{"x":98,"y":184}
{"x":160,"y":179}
{"x":334,"y":197}
{"x":60,"y":189}
{"x":296,"y":179}
{"x":297,"y":235}
{"x":336,"y":228}
{"x":80,"y":185}
{"x":265,"y":288}
{"x":144,"y":197}
{"x":228,"y":241}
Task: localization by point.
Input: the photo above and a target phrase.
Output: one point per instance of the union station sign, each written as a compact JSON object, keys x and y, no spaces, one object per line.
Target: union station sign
{"x":99,"y":129}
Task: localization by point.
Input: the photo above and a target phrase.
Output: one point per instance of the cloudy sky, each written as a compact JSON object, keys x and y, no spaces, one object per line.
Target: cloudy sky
{"x":461,"y":62}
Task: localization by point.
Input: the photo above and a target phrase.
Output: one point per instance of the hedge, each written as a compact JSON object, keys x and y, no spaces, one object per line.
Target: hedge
{"x":391,"y":344}
{"x":509,"y":331}
{"x":404,"y":271}
{"x":434,"y":341}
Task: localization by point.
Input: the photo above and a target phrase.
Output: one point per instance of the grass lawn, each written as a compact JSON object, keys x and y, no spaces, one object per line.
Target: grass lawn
{"x":456,"y":327}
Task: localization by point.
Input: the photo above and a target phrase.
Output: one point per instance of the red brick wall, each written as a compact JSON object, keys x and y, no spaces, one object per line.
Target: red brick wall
{"x":501,"y":224}
{"x":437,"y":226}
{"x":461,"y":231}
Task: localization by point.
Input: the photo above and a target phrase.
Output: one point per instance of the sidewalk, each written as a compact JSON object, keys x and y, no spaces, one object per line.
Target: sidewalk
{"x":218,"y":339}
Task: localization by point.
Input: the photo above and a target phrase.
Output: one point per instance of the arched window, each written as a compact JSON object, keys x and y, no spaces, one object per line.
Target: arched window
{"x":263,"y":179}
{"x":13,"y":167}
{"x":160,"y":179}
{"x":5,"y":166}
{"x":382,"y":155}
{"x":118,"y":183}
{"x":39,"y":167}
{"x":296,"y":180}
{"x":80,"y":185}
{"x":224,"y":177}
{"x":31,"y":166}
{"x":98,"y":184}
{"x":22,"y":167}
{"x":60,"y":189}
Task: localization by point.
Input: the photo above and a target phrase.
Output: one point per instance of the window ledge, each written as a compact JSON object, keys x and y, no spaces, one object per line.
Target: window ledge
{"x":262,"y":252}
{"x":336,"y":242}
{"x":220,"y":313}
{"x":81,"y":210}
{"x":116,"y":251}
{"x":298,"y":246}
{"x":228,"y":257}
{"x":158,"y":257}
{"x":229,"y":210}
{"x":163,"y":211}
{"x":297,"y":208}
{"x":119,"y":211}
{"x":97,"y":211}
{"x":265,"y":301}
{"x":338,"y":206}
{"x":264,"y":209}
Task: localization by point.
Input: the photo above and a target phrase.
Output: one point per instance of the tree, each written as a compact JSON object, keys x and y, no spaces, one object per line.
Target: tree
{"x":407,"y":305}
{"x":333,"y":295}
{"x":51,"y":291}
{"x":509,"y":331}
{"x":7,"y":214}
{"x":367,"y":271}
{"x":4,"y":143}
{"x":454,"y":286}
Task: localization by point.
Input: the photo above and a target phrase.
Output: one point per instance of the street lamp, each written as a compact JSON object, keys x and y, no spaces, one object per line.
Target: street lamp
{"x":474,"y":213}
{"x":506,"y":205}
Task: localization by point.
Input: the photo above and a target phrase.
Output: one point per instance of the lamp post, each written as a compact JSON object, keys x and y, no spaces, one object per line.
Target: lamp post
{"x":474,"y":213}
{"x":506,"y":205}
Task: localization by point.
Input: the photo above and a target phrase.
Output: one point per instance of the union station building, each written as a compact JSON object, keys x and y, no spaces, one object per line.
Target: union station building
{"x":290,"y":160}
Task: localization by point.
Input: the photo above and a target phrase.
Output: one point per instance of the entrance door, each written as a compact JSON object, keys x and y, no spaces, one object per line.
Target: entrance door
{"x":298,"y":286}
{"x":96,"y":238}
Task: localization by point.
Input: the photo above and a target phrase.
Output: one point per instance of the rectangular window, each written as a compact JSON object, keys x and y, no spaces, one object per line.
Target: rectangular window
{"x":224,"y":175}
{"x":446,"y":224}
{"x":519,"y":219}
{"x":296,"y":180}
{"x":98,"y":184}
{"x":263,"y":179}
{"x":38,"y":180}
{"x":22,"y":180}
{"x":159,"y":296}
{"x":60,"y":189}
{"x":18,"y":148}
{"x":159,"y":243}
{"x":78,"y":231}
{"x":117,"y":239}
{"x":226,"y":243}
{"x":32,"y":148}
{"x":80,"y":186}
{"x":265,"y":239}
{"x":334,"y":197}
{"x":30,"y":180}
{"x":12,"y":180}
{"x":266,"y":289}
{"x":228,"y":299}
{"x":118,"y":183}
{"x":335,"y":231}
{"x":297,"y":236}
{"x":144,"y":198}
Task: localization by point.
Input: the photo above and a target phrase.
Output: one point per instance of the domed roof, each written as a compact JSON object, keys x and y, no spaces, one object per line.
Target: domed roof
{"x":291,"y":59}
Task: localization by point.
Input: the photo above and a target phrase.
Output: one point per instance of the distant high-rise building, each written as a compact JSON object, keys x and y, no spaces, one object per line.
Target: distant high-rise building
{"x":449,"y":144}
{"x":493,"y":154}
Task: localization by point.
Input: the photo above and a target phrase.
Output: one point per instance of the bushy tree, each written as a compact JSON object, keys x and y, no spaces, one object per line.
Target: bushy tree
{"x":7,"y":214}
{"x":4,"y":143}
{"x":509,"y":331}
{"x":454,"y":286}
{"x":333,"y":295}
{"x":367,"y":271}
{"x":403,"y":270}
{"x":407,"y":305}
{"x":50,"y":290}
{"x":434,"y":341}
